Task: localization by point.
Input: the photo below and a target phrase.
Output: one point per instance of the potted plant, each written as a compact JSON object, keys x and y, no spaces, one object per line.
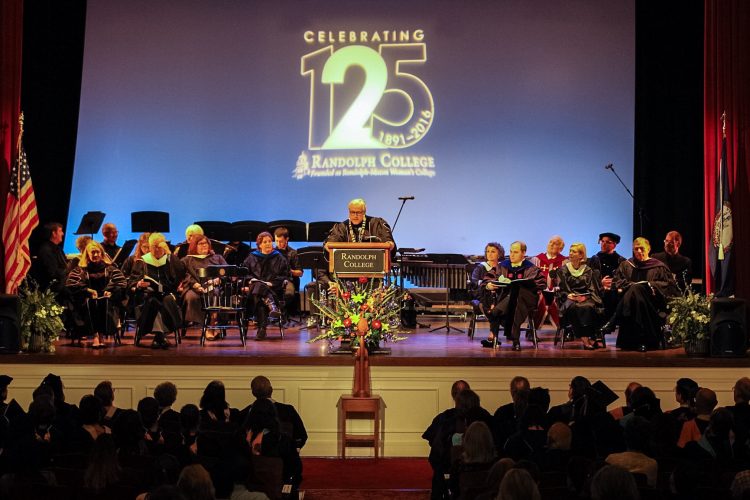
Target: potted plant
{"x":380,"y":306}
{"x":41,"y":318}
{"x":689,"y":315}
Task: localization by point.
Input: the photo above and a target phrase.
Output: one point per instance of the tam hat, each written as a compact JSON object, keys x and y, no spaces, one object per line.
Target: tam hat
{"x":601,"y":394}
{"x":612,"y":236}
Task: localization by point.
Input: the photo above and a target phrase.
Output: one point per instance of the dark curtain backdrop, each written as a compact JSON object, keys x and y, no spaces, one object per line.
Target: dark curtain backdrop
{"x":11,"y":27}
{"x":669,"y":121}
{"x":727,"y":88}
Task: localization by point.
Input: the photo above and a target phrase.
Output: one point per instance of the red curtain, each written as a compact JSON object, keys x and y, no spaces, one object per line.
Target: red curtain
{"x":727,"y":89}
{"x":11,"y":42}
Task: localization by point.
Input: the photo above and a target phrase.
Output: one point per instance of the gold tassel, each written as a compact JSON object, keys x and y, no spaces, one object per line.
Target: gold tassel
{"x":721,"y":251}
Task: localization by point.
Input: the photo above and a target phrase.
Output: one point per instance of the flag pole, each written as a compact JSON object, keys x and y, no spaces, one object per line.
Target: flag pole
{"x":721,"y":183}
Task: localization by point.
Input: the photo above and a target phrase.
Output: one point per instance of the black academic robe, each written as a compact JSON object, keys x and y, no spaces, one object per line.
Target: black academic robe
{"x":190,"y":298}
{"x":645,"y":288}
{"x":513,"y":302}
{"x":50,"y":266}
{"x":96,"y":315}
{"x":680,"y":266}
{"x":155,"y":300}
{"x":584,"y":316}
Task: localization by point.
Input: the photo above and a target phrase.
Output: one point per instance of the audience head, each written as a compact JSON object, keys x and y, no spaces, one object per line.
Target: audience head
{"x":740,"y":488}
{"x":518,"y":485}
{"x":632,"y":386}
{"x":262,"y":415}
{"x":467,"y":400}
{"x":5,"y":381}
{"x":54,"y":232}
{"x":559,"y":437}
{"x":555,"y":245}
{"x":200,"y":245}
{"x":357,"y":210}
{"x":55,"y":383}
{"x":457,"y":387}
{"x":721,"y":424}
{"x":578,"y":388}
{"x":261,"y":387}
{"x":685,"y":390}
{"x":641,"y":249}
{"x":128,"y":430}
{"x":479,"y":447}
{"x":517,"y":252}
{"x":608,"y":242}
{"x":165,"y":394}
{"x":644,"y":402}
{"x":494,"y":251}
{"x":672,"y":242}
{"x":190,"y":417}
{"x":195,"y":483}
{"x":148,"y":409}
{"x":264,"y":242}
{"x":214,"y":398}
{"x":539,"y":396}
{"x":497,"y":472}
{"x":109,"y":231}
{"x":42,"y":414}
{"x":705,"y":401}
{"x":517,"y":384}
{"x":614,"y":483}
{"x":742,"y":390}
{"x":105,"y":392}
{"x":91,"y":410}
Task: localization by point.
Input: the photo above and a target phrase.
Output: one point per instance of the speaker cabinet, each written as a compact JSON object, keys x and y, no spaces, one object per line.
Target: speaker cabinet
{"x":10,"y":335}
{"x":728,"y":328}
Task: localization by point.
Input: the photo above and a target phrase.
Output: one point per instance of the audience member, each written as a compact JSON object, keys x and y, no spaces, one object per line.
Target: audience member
{"x":106,"y":394}
{"x":614,"y":483}
{"x":693,"y":430}
{"x":621,"y":411}
{"x":636,"y":459}
{"x":507,"y":416}
{"x":291,"y":422}
{"x":518,"y":485}
{"x":195,"y":483}
{"x":684,"y":393}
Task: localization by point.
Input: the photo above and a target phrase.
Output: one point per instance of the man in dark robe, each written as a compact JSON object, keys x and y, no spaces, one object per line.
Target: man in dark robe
{"x":281,"y":238}
{"x":606,"y":263}
{"x":513,"y":302}
{"x":645,"y":284}
{"x":290,"y":422}
{"x":680,"y":265}
{"x":109,"y":231}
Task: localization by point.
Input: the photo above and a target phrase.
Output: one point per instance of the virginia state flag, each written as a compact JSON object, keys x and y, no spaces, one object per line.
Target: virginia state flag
{"x":720,"y":247}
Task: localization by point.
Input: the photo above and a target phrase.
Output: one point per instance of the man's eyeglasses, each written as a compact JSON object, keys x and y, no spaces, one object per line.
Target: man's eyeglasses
{"x":353,"y":212}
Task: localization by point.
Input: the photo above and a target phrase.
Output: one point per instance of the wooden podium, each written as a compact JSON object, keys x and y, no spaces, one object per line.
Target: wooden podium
{"x":355,"y":260}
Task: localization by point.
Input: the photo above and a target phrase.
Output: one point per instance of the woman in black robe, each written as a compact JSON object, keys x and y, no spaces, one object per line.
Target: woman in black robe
{"x":645,"y":285}
{"x":155,"y":279}
{"x":96,"y":287}
{"x":268,"y":270}
{"x":578,"y":296}
{"x":200,"y":256}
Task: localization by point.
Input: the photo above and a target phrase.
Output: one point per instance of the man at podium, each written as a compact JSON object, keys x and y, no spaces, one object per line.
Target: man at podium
{"x":359,"y":227}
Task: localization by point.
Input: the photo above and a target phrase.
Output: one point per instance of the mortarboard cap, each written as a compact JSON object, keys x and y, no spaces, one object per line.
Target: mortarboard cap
{"x":612,"y":236}
{"x":599,"y":393}
{"x":5,"y":380}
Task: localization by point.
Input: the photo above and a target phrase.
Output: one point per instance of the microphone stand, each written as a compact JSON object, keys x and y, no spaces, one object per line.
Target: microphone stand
{"x":641,"y":212}
{"x":403,"y":202}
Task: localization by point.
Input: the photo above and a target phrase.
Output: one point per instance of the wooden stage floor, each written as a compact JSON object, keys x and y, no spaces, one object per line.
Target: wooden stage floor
{"x":421,"y":349}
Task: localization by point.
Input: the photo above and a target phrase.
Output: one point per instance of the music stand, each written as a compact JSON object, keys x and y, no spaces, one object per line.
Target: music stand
{"x":297,"y":229}
{"x":447,"y":259}
{"x":124,"y":252}
{"x":90,"y":223}
{"x":149,"y":222}
{"x":215,"y":229}
{"x":313,"y":258}
{"x":247,"y":230}
{"x":318,"y":231}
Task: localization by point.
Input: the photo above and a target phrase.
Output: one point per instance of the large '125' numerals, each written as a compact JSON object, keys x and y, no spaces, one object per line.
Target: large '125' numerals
{"x":393,"y":109}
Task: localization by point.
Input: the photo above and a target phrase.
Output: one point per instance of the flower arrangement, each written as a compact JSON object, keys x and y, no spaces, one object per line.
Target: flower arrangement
{"x":354,"y":300}
{"x":41,"y":318}
{"x":689,"y":315}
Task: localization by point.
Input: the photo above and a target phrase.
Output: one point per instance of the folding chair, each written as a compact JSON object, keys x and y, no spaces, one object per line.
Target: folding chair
{"x":223,"y":299}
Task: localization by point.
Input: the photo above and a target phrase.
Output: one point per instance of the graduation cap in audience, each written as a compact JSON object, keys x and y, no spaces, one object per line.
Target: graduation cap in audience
{"x":5,"y":381}
{"x":601,"y":395}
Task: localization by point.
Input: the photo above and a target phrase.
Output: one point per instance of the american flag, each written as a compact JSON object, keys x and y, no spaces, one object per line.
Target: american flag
{"x":21,"y":218}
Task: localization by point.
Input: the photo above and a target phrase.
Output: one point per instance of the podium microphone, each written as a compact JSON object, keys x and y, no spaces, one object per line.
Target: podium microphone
{"x":405,"y":198}
{"x":608,"y":166}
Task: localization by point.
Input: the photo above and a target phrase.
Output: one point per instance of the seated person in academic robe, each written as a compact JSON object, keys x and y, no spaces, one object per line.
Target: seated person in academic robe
{"x":281,"y":238}
{"x":606,"y":262}
{"x":268,"y":270}
{"x":680,"y":266}
{"x":97,"y":288}
{"x":109,"y":243}
{"x":512,"y":302}
{"x":578,"y":294}
{"x":235,"y":252}
{"x":548,"y":262}
{"x":200,"y":256}
{"x":155,"y":279}
{"x":645,"y":284}
{"x":483,"y":299}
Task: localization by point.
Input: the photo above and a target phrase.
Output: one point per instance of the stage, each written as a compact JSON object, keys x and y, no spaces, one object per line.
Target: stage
{"x":414,"y":380}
